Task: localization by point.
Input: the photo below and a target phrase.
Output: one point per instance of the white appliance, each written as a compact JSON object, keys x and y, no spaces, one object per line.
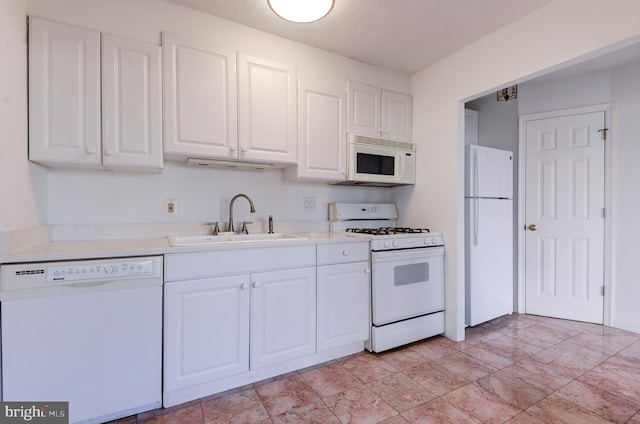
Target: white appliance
{"x":489,"y":233}
{"x":84,"y":332}
{"x":381,"y":163}
{"x":407,"y":274}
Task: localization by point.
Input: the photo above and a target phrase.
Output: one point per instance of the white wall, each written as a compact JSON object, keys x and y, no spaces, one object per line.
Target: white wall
{"x":562,"y":32}
{"x":89,"y":197}
{"x":625,"y":92}
{"x":556,"y":94}
{"x":22,"y":185}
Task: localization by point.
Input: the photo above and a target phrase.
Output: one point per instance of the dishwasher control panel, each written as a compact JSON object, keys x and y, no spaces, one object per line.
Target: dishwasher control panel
{"x":37,"y":279}
{"x":99,"y":270}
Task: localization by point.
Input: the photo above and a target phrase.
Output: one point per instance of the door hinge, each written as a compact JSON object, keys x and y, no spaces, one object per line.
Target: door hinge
{"x":604,"y":212}
{"x":602,"y":290}
{"x":604,"y":132}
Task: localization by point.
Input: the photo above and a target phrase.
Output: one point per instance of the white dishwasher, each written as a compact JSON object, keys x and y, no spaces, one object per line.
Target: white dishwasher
{"x":88,"y":332}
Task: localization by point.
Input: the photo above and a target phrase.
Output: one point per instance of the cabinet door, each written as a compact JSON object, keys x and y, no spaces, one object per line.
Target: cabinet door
{"x":267,"y":128}
{"x":343,"y":304}
{"x":206,"y":330}
{"x":364,"y":109}
{"x":131,"y":104}
{"x":321,"y":134}
{"x":283,"y":316}
{"x":396,"y":116}
{"x":200,"y":114}
{"x":64,"y":94}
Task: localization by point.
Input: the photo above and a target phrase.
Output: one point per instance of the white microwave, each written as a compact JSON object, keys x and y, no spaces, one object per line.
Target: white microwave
{"x":377,"y":162}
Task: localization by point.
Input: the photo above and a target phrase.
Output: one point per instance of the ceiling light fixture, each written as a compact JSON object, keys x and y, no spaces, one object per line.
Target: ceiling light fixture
{"x":301,"y":11}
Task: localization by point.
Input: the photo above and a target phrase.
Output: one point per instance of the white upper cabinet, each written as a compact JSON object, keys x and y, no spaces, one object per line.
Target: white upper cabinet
{"x":131,"y":104}
{"x":321,"y":135}
{"x":200,"y":109}
{"x":378,"y":113}
{"x":365,"y":110}
{"x":396,"y":115}
{"x":64,"y":94}
{"x":70,"y":124}
{"x":267,"y":125}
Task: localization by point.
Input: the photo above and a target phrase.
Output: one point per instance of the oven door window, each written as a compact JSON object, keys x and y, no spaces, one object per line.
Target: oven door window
{"x":411,"y":274}
{"x":375,"y":164}
{"x":406,"y":284}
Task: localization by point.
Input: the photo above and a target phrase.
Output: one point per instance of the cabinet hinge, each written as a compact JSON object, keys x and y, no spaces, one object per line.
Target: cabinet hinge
{"x":602,"y":290}
{"x":604,"y":212}
{"x":604,"y":132}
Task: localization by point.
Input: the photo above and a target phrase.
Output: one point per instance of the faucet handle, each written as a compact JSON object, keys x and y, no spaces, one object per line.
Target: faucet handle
{"x":216,"y":228}
{"x":244,"y":229}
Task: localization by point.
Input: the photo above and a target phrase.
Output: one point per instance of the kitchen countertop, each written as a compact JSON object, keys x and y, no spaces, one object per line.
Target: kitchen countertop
{"x":145,"y":246}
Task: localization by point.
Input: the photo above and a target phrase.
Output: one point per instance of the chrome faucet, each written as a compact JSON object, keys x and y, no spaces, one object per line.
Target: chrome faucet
{"x":253,"y":210}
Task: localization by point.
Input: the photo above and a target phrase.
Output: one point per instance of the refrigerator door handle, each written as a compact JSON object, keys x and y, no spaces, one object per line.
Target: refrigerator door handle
{"x":476,"y":183}
{"x":476,"y":218}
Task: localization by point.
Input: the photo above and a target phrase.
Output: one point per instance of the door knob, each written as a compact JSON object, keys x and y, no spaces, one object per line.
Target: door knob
{"x":533,"y":227}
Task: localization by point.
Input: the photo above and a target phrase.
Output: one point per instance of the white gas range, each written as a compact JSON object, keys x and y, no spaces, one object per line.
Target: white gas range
{"x":407,"y":273}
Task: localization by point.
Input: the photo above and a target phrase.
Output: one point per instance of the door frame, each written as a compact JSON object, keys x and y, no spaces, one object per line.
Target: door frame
{"x":607,"y":108}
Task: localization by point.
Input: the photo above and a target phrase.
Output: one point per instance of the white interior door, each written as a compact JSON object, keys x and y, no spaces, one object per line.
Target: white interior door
{"x":564,"y":242}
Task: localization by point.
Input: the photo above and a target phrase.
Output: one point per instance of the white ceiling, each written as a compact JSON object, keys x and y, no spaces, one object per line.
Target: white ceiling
{"x":404,"y":35}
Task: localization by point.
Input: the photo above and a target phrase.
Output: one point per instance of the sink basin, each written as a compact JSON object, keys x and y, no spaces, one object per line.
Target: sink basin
{"x":230,"y":238}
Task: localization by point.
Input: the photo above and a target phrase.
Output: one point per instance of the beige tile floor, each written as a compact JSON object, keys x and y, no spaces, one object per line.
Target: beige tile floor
{"x":515,"y":369}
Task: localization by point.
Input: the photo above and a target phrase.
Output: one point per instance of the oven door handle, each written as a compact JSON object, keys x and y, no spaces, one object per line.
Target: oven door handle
{"x":398,"y":255}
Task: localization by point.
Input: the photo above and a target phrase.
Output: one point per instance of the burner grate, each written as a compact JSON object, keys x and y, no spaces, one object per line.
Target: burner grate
{"x":384,"y":231}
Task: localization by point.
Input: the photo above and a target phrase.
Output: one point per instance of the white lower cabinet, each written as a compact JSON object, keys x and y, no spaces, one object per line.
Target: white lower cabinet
{"x":283,"y":316}
{"x":236,"y":316}
{"x":207,"y":324}
{"x":343,"y":304}
{"x":206,"y":330}
{"x":344,"y":277}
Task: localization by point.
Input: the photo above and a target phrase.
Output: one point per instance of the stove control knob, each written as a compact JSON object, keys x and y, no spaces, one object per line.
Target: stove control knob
{"x":387,"y":244}
{"x":428,"y":240}
{"x":395,"y":243}
{"x":345,"y":252}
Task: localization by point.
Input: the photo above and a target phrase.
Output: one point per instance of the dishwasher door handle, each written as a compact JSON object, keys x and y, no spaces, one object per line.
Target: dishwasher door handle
{"x":87,"y":285}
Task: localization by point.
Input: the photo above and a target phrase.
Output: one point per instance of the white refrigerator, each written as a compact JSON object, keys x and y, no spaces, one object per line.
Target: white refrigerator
{"x":489,"y":233}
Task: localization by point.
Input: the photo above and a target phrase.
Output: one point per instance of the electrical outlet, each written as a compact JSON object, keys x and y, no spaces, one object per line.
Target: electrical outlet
{"x":309,"y":204}
{"x":171,"y":207}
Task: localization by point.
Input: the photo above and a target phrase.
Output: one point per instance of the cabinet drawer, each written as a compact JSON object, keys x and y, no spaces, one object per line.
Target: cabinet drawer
{"x":194,"y":265}
{"x":343,"y":252}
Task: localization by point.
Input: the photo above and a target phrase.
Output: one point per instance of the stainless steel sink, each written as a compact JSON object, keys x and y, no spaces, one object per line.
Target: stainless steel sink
{"x":230,"y":238}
